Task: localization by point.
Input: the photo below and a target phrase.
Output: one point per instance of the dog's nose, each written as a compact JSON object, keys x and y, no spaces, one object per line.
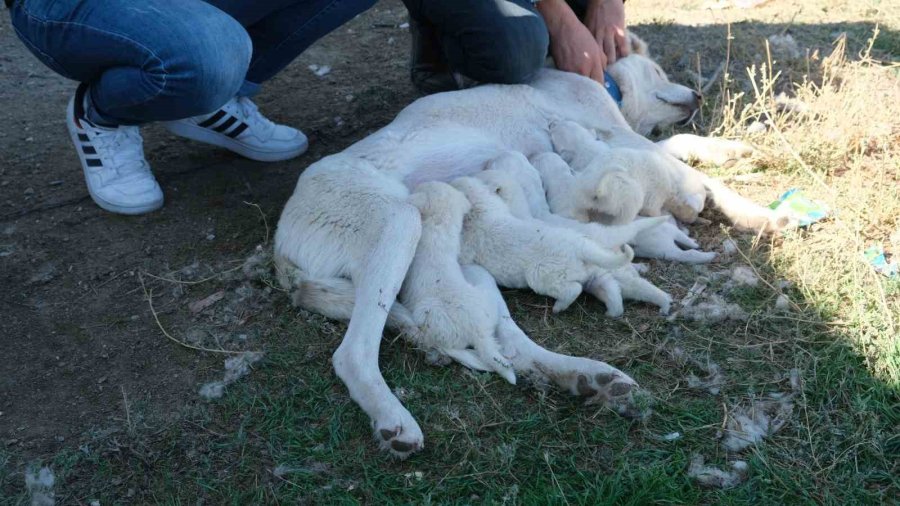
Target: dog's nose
{"x":698,"y":98}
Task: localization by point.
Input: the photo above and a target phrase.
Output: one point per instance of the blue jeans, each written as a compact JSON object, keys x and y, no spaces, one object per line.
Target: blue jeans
{"x":160,"y":60}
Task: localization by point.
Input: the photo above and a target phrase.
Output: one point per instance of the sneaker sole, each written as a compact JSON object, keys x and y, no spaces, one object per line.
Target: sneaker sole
{"x":103,"y":204}
{"x":200,"y":134}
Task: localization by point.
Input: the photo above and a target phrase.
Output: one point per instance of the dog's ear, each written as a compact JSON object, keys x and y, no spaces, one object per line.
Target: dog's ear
{"x":636,"y":44}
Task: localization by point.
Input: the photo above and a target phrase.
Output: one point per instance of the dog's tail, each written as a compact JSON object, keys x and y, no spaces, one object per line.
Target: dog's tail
{"x":592,"y":253}
{"x":743,"y":212}
{"x":331,"y":297}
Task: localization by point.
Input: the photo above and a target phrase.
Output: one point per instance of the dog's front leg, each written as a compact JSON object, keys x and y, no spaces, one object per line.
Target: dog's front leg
{"x":597,"y":381}
{"x":377,"y":280}
{"x":714,"y":150}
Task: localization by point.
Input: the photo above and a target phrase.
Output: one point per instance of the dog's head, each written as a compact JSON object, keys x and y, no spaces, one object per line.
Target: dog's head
{"x":649,"y":99}
{"x":439,"y":202}
{"x":617,"y":199}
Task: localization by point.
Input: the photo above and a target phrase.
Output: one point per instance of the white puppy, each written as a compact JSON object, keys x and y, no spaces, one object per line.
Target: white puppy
{"x":522,"y":253}
{"x":662,"y":240}
{"x":452,"y":316}
{"x":610,"y":286}
{"x":626,"y":181}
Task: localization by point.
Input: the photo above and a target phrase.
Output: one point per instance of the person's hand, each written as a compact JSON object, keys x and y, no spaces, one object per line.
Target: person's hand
{"x":606,"y":21}
{"x":572,"y":46}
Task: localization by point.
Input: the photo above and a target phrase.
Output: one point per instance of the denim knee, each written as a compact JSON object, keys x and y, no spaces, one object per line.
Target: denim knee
{"x":210,"y":67}
{"x":512,"y":53}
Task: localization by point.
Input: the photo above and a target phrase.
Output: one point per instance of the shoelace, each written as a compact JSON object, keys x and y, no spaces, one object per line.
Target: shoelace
{"x":259,"y":124}
{"x":123,"y":149}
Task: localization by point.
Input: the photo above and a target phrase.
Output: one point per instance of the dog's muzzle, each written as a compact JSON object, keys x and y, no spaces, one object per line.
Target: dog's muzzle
{"x":691,"y":108}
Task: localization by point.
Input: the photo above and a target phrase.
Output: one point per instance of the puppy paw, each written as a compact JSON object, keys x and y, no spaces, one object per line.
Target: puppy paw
{"x":399,"y":434}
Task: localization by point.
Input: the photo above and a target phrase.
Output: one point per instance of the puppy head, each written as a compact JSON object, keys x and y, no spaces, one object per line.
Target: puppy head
{"x":649,"y":99}
{"x":550,"y":162}
{"x":502,"y":181}
{"x":439,"y":201}
{"x":509,"y":162}
{"x":571,"y":139}
{"x":474,"y":190}
{"x":617,"y":199}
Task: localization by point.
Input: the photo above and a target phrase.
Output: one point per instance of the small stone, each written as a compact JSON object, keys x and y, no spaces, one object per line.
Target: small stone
{"x":29,"y":191}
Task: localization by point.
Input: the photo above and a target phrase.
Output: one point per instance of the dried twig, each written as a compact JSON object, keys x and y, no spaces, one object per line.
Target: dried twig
{"x":149,"y":296}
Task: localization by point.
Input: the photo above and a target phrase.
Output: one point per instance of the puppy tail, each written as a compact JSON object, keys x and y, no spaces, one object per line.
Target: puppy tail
{"x":332,"y":297}
{"x":744,"y":213}
{"x":592,"y":253}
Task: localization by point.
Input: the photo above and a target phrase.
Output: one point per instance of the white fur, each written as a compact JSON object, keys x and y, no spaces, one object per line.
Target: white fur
{"x":511,"y":173}
{"x":453,"y":317}
{"x":347,"y":235}
{"x":526,"y":252}
{"x":628,"y":180}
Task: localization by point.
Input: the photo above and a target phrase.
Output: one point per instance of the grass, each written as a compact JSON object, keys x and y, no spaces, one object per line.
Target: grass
{"x":290,"y":434}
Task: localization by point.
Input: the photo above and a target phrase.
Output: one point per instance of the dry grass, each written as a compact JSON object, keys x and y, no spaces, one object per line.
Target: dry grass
{"x":836,"y":134}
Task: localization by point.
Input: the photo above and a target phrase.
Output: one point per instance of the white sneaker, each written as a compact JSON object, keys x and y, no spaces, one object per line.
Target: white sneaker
{"x":240,"y":127}
{"x":118,"y":176}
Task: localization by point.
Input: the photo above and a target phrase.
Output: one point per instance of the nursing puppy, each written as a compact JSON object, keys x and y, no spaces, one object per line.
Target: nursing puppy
{"x":452,"y":316}
{"x":610,"y":285}
{"x":528,"y":199}
{"x":569,"y":196}
{"x":528,"y":253}
{"x":627,"y":181}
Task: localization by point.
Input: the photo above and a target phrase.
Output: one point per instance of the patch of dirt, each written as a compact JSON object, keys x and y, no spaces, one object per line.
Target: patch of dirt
{"x":76,"y":333}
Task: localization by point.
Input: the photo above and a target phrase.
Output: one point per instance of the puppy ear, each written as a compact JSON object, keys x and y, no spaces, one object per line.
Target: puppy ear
{"x":636,"y":44}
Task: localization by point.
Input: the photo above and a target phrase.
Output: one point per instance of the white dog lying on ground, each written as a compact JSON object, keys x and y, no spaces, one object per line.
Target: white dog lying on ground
{"x":451,"y":316}
{"x":348,"y":234}
{"x":528,"y":253}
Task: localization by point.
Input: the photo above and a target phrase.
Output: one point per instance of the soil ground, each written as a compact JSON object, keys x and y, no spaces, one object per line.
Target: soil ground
{"x":76,"y":332}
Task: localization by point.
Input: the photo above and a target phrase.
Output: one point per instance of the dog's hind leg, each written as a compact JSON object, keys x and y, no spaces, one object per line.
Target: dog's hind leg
{"x":377,"y":281}
{"x":597,"y":381}
{"x":346,"y":218}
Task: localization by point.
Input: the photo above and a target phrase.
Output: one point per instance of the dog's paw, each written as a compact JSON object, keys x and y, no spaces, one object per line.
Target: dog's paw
{"x":725,"y":153}
{"x":599,"y":383}
{"x":780,"y":222}
{"x":399,"y":434}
